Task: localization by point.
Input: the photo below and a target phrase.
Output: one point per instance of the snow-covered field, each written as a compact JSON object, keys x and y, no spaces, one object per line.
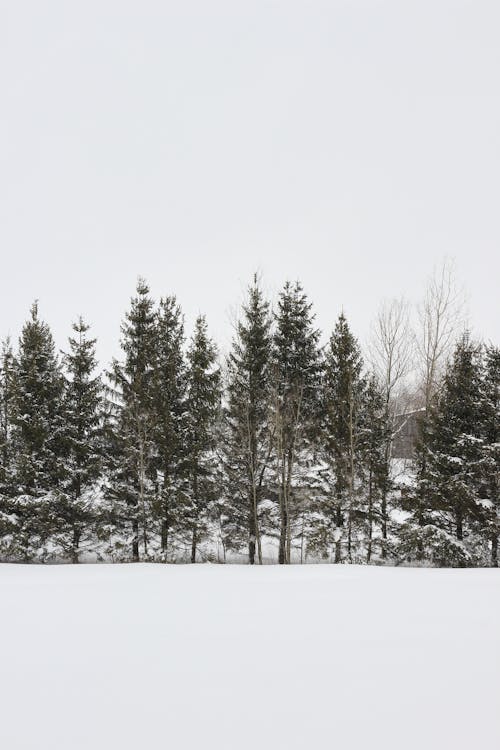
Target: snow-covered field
{"x":103,"y":657}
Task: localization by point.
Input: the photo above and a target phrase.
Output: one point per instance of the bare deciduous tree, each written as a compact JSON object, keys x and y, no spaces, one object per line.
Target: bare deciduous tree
{"x":440,"y":318}
{"x":391,"y":350}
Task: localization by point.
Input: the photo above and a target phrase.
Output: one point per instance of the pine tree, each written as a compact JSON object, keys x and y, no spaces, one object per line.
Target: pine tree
{"x":170,"y":426}
{"x":76,"y":506}
{"x":343,"y":390}
{"x":203,"y":405}
{"x":490,"y":470}
{"x":445,"y":511}
{"x":248,"y":431}
{"x":296,"y":378}
{"x":37,"y":434}
{"x":7,"y":366}
{"x":374,"y":433}
{"x":131,"y":427}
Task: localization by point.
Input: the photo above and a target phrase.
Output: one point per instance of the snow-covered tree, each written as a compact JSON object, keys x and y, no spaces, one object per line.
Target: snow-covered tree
{"x":247,"y":424}
{"x":490,"y":470}
{"x":296,"y":390}
{"x":202,"y":407}
{"x":445,"y":508}
{"x":38,"y":422}
{"x":7,"y":365}
{"x":131,"y":425}
{"x":342,"y":396}
{"x":76,"y":503}
{"x":170,"y":421}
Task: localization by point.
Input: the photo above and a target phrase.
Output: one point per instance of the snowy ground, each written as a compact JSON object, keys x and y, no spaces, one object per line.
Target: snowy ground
{"x":150,"y":656}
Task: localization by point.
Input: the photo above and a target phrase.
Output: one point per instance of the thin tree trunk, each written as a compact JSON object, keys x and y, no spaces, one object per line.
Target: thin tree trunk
{"x":193,"y":545}
{"x":135,"y":540}
{"x":165,"y":524}
{"x":459,"y":522}
{"x":287,"y":505}
{"x":338,"y":525}
{"x":494,"y":550}
{"x":75,"y":545}
{"x":302,"y":542}
{"x":142,"y":482}
{"x":370,"y":516}
{"x":251,"y":534}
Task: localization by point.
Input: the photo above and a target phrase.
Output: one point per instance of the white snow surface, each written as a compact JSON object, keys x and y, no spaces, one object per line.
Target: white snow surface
{"x":319,"y":656}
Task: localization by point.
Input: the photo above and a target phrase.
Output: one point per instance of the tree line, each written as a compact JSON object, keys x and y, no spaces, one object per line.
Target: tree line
{"x":281,"y":452}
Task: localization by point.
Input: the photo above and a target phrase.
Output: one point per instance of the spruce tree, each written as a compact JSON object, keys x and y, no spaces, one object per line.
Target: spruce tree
{"x":169,"y":388}
{"x":490,"y":470}
{"x":82,"y":444}
{"x":202,"y":406}
{"x":37,"y":435}
{"x":248,"y":429}
{"x":7,"y":366}
{"x":343,"y":392}
{"x":132,"y":423}
{"x":296,"y":380}
{"x":374,"y":433}
{"x":445,"y":509}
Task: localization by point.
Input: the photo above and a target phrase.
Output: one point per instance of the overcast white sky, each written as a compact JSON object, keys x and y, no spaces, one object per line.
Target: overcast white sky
{"x":350,"y":144}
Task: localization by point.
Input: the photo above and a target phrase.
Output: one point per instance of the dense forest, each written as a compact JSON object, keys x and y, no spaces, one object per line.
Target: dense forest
{"x":281,"y":451}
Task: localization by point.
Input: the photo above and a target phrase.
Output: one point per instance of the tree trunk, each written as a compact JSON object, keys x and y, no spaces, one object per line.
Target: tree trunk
{"x":494,"y":550}
{"x":338,"y":525}
{"x":194,"y":542}
{"x":76,"y":543}
{"x":460,"y":525}
{"x":135,"y":540}
{"x":165,"y":524}
{"x":370,"y":517}
{"x":142,"y":494}
{"x":164,"y":536}
{"x":251,"y":536}
{"x":283,"y":527}
{"x":283,"y":514}
{"x":384,"y":526}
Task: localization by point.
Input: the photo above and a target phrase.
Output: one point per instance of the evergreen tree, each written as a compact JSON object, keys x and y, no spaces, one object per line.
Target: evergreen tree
{"x":248,"y":434}
{"x":203,"y":405}
{"x":170,"y":426}
{"x":7,"y":367}
{"x":132,"y":424}
{"x":445,"y":511}
{"x":37,"y":435}
{"x":491,"y":460}
{"x":296,"y":379}
{"x":343,"y":392}
{"x":374,"y":434}
{"x":76,"y":505}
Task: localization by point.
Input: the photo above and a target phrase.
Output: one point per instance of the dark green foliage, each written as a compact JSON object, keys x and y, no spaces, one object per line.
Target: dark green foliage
{"x":343,"y":394}
{"x":38,"y":426}
{"x":490,"y":464}
{"x":451,"y":463}
{"x":373,"y":436}
{"x":169,"y":393}
{"x":170,"y":461}
{"x":7,"y":369}
{"x":247,"y":427}
{"x":202,"y":407}
{"x":296,"y":404}
{"x":131,"y":425}
{"x":76,"y":501}
{"x":7,"y":374}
